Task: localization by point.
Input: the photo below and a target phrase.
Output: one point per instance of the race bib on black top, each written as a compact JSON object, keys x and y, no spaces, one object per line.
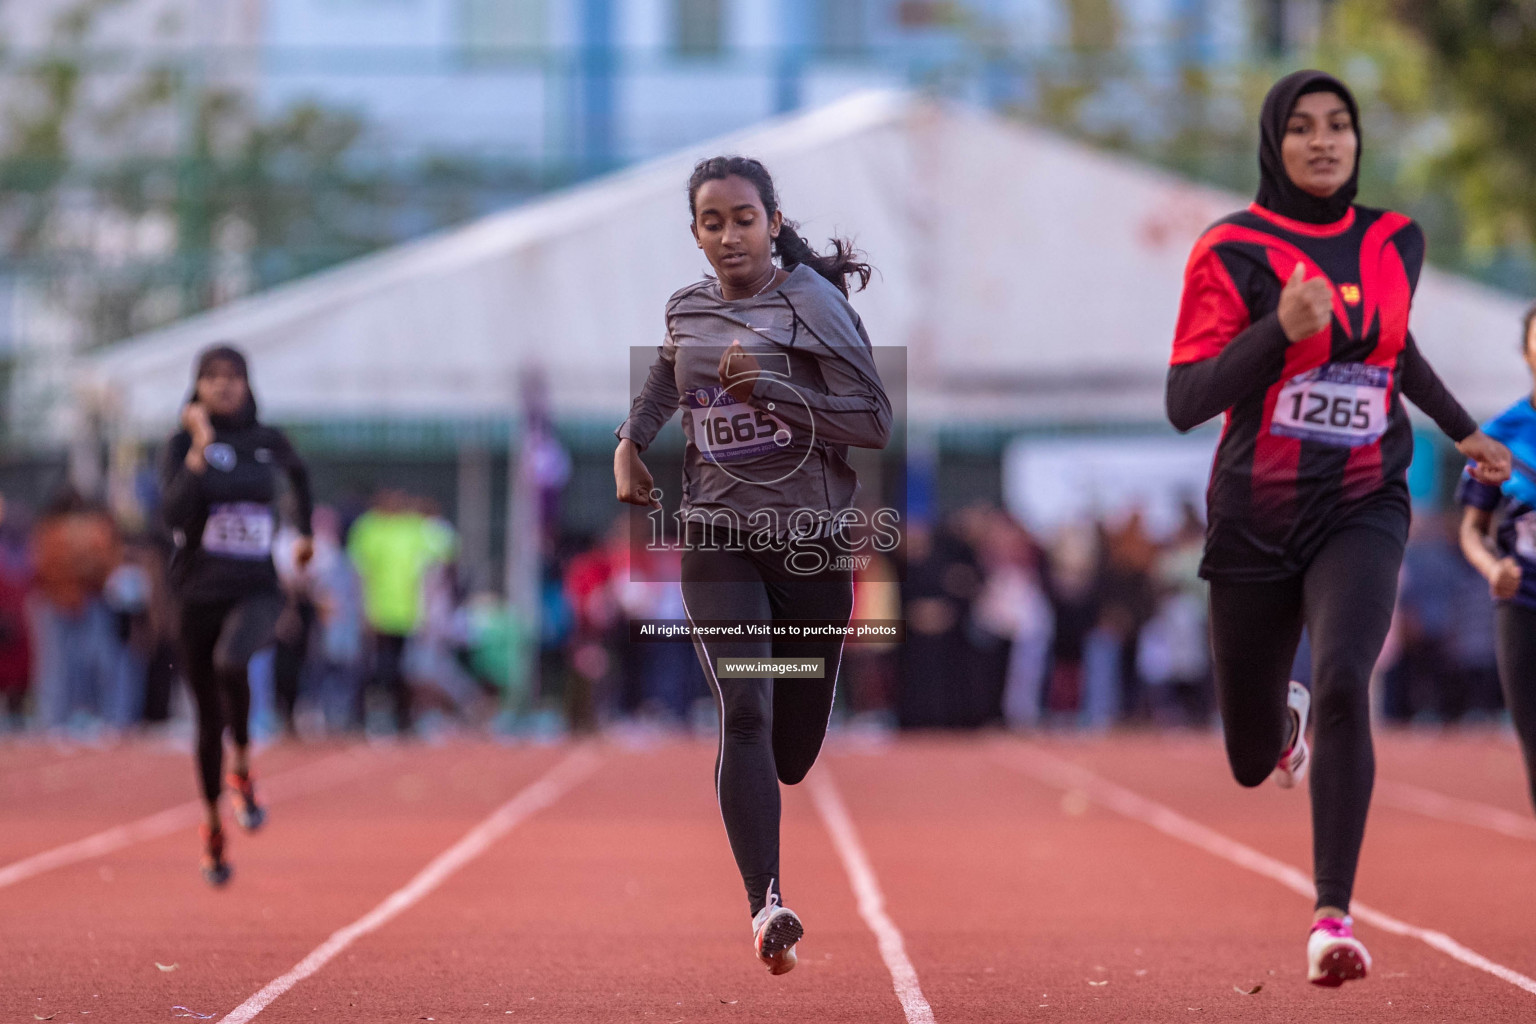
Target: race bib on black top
{"x":239,"y":530}
{"x":725,"y":430}
{"x":1342,"y":404}
{"x":1525,"y":537}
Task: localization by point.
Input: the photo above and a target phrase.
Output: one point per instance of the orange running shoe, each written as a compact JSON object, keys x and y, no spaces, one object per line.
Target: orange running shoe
{"x":216,"y":869}
{"x":775,"y":930}
{"x":248,"y":813}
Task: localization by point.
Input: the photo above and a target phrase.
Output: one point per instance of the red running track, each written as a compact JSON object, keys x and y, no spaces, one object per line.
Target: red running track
{"x":1124,"y":878}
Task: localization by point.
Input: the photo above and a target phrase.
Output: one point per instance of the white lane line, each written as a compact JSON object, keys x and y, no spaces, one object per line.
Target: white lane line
{"x":535,"y":797}
{"x":1427,"y":802}
{"x":1066,"y":775}
{"x":893,"y":949}
{"x":303,"y":779}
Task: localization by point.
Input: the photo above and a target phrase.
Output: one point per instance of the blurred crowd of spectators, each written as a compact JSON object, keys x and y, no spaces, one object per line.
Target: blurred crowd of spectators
{"x":1097,"y":624}
{"x":376,"y":633}
{"x":1102,"y":624}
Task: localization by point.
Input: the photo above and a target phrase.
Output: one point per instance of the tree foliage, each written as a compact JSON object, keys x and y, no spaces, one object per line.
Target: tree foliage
{"x":1459,"y":78}
{"x":1484,"y":55}
{"x":137,"y":187}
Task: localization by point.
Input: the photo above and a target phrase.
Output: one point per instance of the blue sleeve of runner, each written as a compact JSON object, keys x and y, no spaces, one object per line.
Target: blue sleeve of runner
{"x":1478,"y":495}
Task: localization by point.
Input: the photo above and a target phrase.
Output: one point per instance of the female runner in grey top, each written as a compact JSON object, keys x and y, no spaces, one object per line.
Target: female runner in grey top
{"x":776,"y":379}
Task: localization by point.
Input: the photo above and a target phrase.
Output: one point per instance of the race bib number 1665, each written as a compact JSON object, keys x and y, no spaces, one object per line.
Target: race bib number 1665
{"x":725,"y":430}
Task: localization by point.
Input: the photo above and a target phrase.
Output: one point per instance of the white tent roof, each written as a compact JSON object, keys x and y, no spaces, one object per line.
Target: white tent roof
{"x":1032,"y":279}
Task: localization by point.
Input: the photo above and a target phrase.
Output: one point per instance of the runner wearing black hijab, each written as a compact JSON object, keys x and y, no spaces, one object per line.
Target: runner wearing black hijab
{"x":218,"y":489}
{"x":1294,"y":323}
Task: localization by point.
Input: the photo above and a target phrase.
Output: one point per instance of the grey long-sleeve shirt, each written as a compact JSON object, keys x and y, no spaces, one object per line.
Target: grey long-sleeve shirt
{"x":785,"y":449}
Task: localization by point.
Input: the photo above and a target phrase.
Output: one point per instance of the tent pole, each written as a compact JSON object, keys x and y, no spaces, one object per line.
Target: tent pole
{"x":85,"y":470}
{"x":525,"y":533}
{"x":474,"y":508}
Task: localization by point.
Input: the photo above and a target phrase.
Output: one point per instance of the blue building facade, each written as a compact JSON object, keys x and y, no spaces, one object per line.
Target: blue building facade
{"x":579,"y":86}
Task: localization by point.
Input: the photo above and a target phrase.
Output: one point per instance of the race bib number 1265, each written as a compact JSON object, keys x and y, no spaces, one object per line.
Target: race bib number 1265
{"x":1342,"y":404}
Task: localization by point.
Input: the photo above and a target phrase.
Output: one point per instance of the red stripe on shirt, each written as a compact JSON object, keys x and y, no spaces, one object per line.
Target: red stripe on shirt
{"x":1211,"y":311}
{"x":1301,"y":227}
{"x":1387,"y":294}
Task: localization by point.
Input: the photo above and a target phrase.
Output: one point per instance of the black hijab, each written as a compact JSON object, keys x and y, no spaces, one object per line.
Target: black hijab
{"x":1276,"y":190}
{"x":226,"y":354}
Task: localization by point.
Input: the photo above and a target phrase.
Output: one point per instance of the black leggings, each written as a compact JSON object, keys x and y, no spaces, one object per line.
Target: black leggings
{"x":770,"y":731}
{"x":288,"y":657}
{"x":218,"y":639}
{"x":1345,"y":599}
{"x":389,"y":676}
{"x":1517,"y":673}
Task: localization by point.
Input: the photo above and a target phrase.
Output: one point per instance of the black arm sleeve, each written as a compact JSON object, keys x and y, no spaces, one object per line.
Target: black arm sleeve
{"x":1423,"y":387}
{"x":181,"y":490}
{"x":298,"y":477}
{"x":1250,"y":362}
{"x":1411,"y":247}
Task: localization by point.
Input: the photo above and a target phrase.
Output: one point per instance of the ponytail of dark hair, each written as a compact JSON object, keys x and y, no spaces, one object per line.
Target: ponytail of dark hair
{"x":837,"y":266}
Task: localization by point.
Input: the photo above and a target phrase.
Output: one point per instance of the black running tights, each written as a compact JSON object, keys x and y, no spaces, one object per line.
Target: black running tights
{"x":218,"y":639}
{"x":770,"y":730}
{"x":389,"y":675}
{"x":1345,"y":599}
{"x":1517,"y":673}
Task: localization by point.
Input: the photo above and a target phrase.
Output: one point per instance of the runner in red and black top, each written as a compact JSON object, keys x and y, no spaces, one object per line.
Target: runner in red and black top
{"x":1294,"y":323}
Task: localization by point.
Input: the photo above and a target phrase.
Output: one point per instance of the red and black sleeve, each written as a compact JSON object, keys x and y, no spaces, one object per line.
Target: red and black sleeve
{"x":1409,"y":242}
{"x":1220,"y":354}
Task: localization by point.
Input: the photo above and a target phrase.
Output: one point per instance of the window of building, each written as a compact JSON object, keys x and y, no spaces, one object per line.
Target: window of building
{"x":844,"y":25}
{"x":504,"y":24}
{"x":1094,"y":24}
{"x":700,"y":26}
{"x":923,"y":14}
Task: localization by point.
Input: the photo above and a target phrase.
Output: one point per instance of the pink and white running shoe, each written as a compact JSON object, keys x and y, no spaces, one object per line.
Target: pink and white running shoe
{"x":775,"y":930}
{"x":1292,"y":768}
{"x":1334,"y":955}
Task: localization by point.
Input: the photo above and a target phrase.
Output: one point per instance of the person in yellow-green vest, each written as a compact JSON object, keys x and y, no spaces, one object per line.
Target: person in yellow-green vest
{"x":393,"y":547}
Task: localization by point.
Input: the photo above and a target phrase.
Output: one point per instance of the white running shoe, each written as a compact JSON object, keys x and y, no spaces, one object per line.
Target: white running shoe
{"x":775,"y":930}
{"x":1334,"y":955}
{"x":1292,"y":768}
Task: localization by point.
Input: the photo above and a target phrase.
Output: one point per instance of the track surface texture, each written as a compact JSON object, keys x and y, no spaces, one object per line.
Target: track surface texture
{"x":993,"y":878}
